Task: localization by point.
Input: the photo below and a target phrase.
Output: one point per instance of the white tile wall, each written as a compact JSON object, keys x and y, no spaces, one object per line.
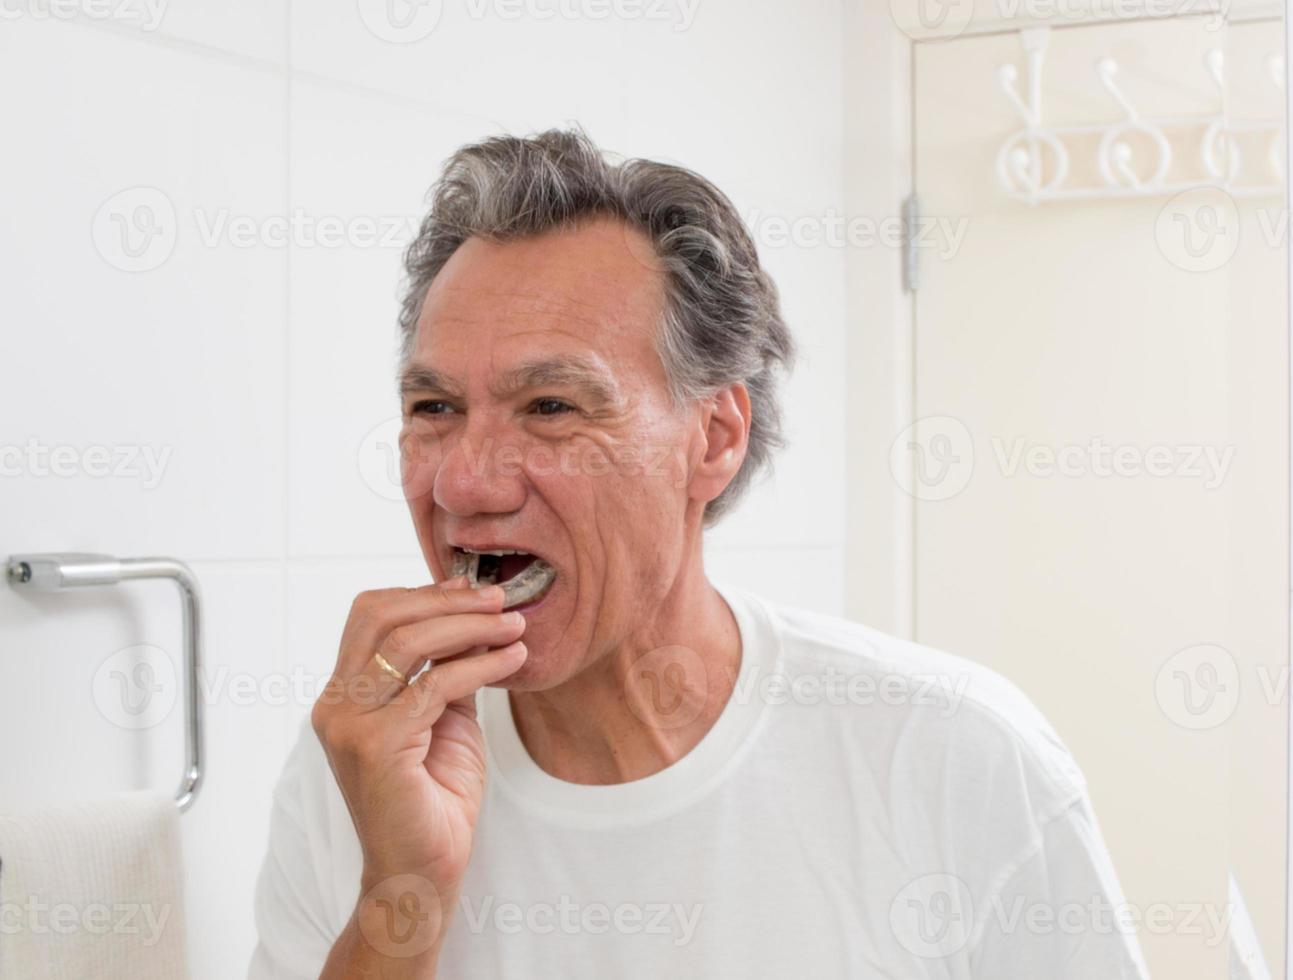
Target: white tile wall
{"x":812,"y":578}
{"x":249,"y":694}
{"x":319,"y":594}
{"x":254,"y":28}
{"x":514,"y":71}
{"x":260,"y":369}
{"x":132,"y":327}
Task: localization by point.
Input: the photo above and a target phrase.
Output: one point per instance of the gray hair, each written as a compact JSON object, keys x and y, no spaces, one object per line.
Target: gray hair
{"x":722,"y":321}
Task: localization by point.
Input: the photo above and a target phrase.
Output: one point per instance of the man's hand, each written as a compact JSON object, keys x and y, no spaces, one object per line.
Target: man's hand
{"x":410,"y":761}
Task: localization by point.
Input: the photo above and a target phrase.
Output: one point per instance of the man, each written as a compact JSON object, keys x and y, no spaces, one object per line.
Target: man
{"x":683,"y":779}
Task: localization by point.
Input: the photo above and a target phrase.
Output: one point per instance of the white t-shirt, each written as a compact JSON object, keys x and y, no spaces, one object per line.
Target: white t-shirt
{"x":863,"y":807}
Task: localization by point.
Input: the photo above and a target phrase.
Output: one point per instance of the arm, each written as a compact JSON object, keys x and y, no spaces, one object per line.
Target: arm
{"x":409,"y":760}
{"x":385,"y":937}
{"x":395,"y":933}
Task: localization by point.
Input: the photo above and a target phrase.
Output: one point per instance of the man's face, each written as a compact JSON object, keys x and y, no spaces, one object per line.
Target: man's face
{"x":538,"y":419}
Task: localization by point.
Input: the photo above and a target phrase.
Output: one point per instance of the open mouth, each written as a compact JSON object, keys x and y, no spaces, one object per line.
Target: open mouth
{"x":523,"y":577}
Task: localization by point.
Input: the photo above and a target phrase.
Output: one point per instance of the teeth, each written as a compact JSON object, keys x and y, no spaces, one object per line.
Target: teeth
{"x":465,"y":563}
{"x":529,"y":584}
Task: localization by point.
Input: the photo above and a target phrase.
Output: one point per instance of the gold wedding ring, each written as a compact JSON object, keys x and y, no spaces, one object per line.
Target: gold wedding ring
{"x":382,"y":663}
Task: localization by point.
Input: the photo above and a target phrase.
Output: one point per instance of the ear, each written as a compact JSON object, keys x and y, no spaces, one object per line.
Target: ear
{"x":725,"y":428}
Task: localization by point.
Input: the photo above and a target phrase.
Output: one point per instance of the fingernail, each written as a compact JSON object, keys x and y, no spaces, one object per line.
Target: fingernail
{"x":513,"y":618}
{"x":490,"y":593}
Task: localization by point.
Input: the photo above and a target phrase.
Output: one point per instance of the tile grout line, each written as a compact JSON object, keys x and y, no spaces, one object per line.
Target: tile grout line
{"x":181,"y":45}
{"x":236,"y":59}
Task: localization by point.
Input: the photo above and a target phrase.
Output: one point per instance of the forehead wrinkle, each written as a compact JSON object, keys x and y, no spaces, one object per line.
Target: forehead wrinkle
{"x":536,"y":314}
{"x":572,"y":370}
{"x":550,"y":299}
{"x":540,"y":312}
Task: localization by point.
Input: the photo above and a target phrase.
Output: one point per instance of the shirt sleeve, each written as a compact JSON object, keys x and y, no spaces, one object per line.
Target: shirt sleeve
{"x":1058,"y":911}
{"x":293,"y":940}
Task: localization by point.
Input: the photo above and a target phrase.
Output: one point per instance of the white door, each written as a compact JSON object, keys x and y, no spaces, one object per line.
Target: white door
{"x":1101,"y":474}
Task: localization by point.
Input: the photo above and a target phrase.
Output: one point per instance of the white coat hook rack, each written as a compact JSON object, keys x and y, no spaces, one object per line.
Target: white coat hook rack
{"x":1134,"y":154}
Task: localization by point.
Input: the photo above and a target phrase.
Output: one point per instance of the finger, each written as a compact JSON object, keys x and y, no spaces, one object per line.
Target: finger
{"x":467,"y":705}
{"x":407,"y":648}
{"x":374,"y":614}
{"x":479,"y":648}
{"x":423,"y":702}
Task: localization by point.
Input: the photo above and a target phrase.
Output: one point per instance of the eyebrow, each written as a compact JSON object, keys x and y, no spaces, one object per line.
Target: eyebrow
{"x":416,"y":377}
{"x":572,"y":371}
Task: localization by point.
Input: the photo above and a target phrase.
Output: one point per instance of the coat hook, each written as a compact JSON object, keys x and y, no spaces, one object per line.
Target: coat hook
{"x":1106,"y":70}
{"x":1033,"y":40}
{"x":1215,"y":62}
{"x":1008,"y":78}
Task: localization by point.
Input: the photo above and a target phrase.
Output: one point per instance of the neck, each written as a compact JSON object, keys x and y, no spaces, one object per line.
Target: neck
{"x":644,"y":705}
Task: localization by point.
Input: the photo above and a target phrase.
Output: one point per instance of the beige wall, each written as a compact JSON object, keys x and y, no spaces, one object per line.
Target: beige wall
{"x":1050,"y":328}
{"x":1259,"y":561}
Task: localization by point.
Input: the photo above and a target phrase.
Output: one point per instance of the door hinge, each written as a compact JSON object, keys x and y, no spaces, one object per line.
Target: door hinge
{"x":910,"y":230}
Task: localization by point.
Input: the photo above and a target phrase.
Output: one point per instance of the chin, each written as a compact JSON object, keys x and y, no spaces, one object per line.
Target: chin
{"x":541,"y":671}
{"x":518,"y":683}
{"x":530,"y":677}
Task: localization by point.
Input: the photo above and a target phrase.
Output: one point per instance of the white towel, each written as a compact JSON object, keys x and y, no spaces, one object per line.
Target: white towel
{"x":93,"y":890}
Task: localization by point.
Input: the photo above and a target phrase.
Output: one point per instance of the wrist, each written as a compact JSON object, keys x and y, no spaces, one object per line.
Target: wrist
{"x":403,"y":916}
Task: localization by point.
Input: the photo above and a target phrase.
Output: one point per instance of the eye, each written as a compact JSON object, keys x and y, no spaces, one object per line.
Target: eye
{"x":550,"y":406}
{"x":430,"y":406}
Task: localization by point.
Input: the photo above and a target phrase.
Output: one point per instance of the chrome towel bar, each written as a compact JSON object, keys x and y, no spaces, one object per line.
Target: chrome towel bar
{"x":54,"y":572}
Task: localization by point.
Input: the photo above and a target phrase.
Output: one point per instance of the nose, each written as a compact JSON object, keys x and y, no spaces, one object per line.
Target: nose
{"x":480,"y":473}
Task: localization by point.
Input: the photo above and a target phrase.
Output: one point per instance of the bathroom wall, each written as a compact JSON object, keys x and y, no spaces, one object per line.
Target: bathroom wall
{"x":203,"y":216}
